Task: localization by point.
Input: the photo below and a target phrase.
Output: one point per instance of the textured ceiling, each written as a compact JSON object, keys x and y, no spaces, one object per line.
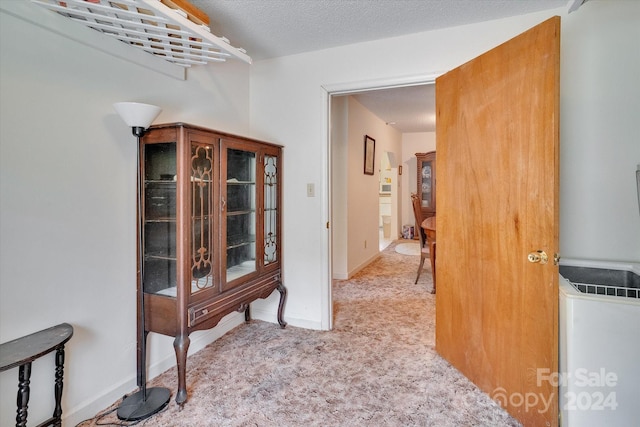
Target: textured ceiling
{"x":272,"y":28}
{"x":408,"y":109}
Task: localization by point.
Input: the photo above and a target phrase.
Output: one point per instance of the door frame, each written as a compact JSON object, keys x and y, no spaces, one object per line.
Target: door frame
{"x":328,"y":91}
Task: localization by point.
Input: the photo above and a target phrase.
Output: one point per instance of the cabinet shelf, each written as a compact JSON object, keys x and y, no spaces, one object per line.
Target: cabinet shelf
{"x":161,"y":257}
{"x":172,"y":291}
{"x":236,"y":182}
{"x":243,"y":212}
{"x":238,"y":271}
{"x":240,"y":241}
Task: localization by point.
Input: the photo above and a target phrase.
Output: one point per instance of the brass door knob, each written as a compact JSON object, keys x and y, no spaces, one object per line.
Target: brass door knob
{"x":538,"y":257}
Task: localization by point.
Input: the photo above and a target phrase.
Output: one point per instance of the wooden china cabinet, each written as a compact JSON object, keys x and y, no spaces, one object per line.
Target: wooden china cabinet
{"x":427,"y":183}
{"x":211,"y":230}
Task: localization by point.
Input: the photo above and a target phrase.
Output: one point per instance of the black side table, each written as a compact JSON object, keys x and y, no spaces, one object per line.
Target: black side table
{"x":22,"y":351}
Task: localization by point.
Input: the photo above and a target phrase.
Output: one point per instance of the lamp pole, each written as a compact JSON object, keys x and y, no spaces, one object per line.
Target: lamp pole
{"x":146,"y":401}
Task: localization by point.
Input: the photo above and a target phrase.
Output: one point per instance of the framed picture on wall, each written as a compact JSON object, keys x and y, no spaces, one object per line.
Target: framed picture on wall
{"x":369,"y":154}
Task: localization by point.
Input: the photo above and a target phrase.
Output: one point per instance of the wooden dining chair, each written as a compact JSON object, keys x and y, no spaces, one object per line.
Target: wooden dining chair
{"x":424,"y":249}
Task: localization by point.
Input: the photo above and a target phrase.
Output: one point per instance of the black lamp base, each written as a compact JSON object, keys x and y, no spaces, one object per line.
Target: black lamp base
{"x":136,"y":407}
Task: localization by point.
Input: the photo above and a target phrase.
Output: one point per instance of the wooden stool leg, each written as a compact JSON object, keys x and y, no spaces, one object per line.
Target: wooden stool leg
{"x":419,"y":268}
{"x":57,"y":412}
{"x":24,"y":375}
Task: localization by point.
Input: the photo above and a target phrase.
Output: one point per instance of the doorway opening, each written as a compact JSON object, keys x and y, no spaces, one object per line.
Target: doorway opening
{"x":338,"y":167}
{"x":388,"y":200}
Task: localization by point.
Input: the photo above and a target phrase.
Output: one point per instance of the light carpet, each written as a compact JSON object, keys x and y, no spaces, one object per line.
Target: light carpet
{"x":377,"y":367}
{"x":412,"y":248}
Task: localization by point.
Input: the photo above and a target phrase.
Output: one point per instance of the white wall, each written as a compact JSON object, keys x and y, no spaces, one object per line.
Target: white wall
{"x":412,"y":143}
{"x":599,"y":48}
{"x":599,"y":137}
{"x":362,"y":201}
{"x":340,"y":193}
{"x":355,"y":203}
{"x":67,"y":198}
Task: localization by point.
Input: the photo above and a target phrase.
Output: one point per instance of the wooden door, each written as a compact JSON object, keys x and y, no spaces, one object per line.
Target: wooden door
{"x":497,"y":136}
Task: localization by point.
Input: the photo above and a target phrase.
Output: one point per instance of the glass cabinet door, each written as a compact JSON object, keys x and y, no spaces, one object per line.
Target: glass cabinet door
{"x":426,"y":181}
{"x":160,"y":274}
{"x":240,"y":212}
{"x":159,"y":219}
{"x":271,"y":213}
{"x":201,"y":191}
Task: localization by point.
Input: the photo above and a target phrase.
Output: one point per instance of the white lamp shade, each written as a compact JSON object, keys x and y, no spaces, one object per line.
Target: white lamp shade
{"x":136,"y":114}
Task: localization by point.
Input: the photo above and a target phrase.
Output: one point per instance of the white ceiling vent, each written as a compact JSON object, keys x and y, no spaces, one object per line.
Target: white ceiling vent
{"x":151,"y":26}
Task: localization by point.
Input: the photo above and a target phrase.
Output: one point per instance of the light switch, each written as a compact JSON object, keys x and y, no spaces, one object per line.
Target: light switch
{"x":311,"y":190}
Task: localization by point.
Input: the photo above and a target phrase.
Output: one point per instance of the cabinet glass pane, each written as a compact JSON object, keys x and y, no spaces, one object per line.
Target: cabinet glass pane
{"x":426,"y":186}
{"x":270,"y":209}
{"x":159,"y":226}
{"x":241,"y":213}
{"x":201,"y":217}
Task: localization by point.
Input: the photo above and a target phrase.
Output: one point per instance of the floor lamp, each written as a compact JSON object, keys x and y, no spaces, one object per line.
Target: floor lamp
{"x":146,"y":401}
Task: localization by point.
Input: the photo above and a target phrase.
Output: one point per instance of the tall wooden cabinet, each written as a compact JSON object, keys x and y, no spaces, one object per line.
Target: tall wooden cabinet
{"x":211,"y":230}
{"x":427,"y":183}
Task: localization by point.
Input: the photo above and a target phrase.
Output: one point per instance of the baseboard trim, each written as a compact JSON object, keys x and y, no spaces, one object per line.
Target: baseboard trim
{"x":363,"y":265}
{"x":270,"y":317}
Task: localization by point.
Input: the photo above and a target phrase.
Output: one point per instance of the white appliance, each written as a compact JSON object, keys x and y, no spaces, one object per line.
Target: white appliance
{"x":599,"y":380}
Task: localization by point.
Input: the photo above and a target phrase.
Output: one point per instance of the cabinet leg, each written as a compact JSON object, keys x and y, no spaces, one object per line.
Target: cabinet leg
{"x":283,"y":299}
{"x":247,"y":313}
{"x":181,"y":346}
